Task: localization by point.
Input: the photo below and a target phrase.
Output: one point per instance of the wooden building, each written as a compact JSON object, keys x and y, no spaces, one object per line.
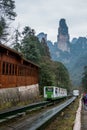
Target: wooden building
{"x":18,"y":76}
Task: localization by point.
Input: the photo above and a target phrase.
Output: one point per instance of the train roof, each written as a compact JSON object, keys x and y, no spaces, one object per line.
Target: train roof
{"x":4,"y":47}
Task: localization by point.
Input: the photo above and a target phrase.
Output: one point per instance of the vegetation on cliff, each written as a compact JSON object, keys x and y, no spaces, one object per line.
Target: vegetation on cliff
{"x":27,"y":43}
{"x":51,"y":72}
{"x":84,"y":79}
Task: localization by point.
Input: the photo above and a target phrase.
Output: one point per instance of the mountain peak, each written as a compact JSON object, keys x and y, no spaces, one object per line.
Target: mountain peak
{"x":63,"y":36}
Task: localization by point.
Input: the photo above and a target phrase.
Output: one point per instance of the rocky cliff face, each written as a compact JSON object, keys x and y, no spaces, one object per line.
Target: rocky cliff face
{"x":75,"y":60}
{"x":72,"y":54}
{"x":63,"y":36}
{"x":41,"y":36}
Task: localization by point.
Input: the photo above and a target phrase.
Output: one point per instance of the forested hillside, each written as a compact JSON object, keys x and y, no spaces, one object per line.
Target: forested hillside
{"x":28,"y":44}
{"x":51,"y":72}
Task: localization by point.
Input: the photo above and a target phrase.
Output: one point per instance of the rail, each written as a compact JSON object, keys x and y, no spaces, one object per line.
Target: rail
{"x":13,"y":112}
{"x":43,"y":119}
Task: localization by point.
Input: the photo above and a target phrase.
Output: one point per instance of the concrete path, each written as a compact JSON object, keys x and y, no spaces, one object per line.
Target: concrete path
{"x":83,"y":119}
{"x":77,"y":124}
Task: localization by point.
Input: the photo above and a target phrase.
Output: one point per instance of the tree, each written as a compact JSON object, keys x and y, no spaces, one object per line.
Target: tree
{"x":84,"y":79}
{"x":51,"y":73}
{"x":45,"y":51}
{"x":3,"y":29}
{"x":28,"y":32}
{"x":30,"y":50}
{"x":17,"y":43}
{"x":7,"y":9}
{"x":30,"y":45}
{"x":62,"y":76}
{"x":47,"y":75}
{"x":6,"y":14}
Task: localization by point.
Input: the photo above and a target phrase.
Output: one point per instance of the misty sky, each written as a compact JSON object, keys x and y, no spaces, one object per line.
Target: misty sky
{"x":44,"y":16}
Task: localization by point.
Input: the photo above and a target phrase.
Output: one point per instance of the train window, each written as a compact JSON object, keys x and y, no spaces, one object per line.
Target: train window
{"x":49,"y":89}
{"x":56,"y":90}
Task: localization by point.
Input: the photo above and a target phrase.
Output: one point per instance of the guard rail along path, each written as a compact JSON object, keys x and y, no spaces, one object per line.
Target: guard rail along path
{"x":44,"y":118}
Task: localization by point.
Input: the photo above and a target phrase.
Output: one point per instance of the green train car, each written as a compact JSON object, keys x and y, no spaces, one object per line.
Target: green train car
{"x":52,"y":92}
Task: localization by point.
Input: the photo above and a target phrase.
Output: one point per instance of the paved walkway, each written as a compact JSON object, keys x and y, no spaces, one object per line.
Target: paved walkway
{"x":77,"y":125}
{"x":83,"y":119}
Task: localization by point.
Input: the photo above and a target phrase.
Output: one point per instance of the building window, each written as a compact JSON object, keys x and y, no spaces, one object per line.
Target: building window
{"x":3,"y":68}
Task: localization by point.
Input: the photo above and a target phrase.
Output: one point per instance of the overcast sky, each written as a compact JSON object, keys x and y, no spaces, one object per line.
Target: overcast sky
{"x":44,"y":16}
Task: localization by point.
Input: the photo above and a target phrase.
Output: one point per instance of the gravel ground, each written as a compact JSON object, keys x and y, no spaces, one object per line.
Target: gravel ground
{"x":65,"y":119}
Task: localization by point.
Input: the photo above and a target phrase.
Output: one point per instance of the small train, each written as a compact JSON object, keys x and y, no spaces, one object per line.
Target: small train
{"x":53,"y":93}
{"x":76,"y":93}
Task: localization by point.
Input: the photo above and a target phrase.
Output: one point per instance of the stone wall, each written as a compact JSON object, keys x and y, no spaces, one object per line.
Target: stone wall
{"x":18,"y":94}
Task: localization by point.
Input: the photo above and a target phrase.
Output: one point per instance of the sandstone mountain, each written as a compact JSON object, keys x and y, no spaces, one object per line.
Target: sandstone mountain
{"x":72,"y":54}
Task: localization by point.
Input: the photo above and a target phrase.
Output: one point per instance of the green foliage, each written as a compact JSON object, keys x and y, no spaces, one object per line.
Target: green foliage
{"x":30,"y":51}
{"x":28,"y":32}
{"x":45,"y":49}
{"x":7,"y":9}
{"x":6,"y":14}
{"x":84,"y":79}
{"x":3,"y":29}
{"x":30,"y":48}
{"x":47,"y":76}
{"x":16,"y":43}
{"x":62,"y":75}
{"x":51,"y":73}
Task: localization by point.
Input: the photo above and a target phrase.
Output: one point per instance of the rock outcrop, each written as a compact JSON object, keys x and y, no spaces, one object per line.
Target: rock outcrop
{"x":63,"y":36}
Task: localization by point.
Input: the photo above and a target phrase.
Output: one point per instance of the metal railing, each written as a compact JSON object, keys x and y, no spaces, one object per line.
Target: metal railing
{"x":40,"y":122}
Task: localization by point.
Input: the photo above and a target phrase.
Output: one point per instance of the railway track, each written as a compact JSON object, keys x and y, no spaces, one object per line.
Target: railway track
{"x":18,"y":111}
{"x":40,"y":120}
{"x":15,"y":112}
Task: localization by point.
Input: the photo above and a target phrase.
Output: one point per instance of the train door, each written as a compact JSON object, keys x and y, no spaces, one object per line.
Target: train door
{"x":49,"y":92}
